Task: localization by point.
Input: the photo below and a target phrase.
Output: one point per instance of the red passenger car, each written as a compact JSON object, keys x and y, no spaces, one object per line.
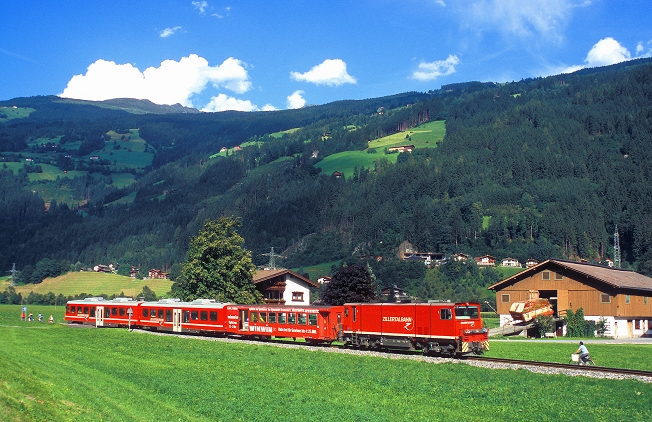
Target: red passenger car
{"x":121,"y":311}
{"x":313,"y":323}
{"x":199,"y":316}
{"x":444,"y":328}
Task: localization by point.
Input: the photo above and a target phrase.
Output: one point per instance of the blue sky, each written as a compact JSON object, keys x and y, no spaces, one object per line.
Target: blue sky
{"x":260,"y":55}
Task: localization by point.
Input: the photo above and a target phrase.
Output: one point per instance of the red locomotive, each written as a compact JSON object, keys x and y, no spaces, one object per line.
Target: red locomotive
{"x":443,"y":328}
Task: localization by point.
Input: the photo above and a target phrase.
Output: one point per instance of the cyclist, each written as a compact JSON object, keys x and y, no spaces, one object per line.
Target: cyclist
{"x":583,"y":352}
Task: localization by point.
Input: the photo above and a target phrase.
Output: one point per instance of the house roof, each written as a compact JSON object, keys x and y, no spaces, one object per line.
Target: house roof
{"x":263,"y":275}
{"x":614,"y":277}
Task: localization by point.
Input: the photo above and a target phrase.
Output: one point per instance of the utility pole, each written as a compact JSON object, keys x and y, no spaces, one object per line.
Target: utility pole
{"x":272,"y":259}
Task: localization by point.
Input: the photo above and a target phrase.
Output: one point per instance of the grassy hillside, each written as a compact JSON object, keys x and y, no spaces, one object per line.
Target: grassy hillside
{"x":92,"y":283}
{"x":345,"y":162}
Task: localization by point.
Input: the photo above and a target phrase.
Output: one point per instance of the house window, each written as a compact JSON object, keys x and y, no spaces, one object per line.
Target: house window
{"x":644,"y":300}
{"x":559,"y":275}
{"x":637,"y":324}
{"x":605,"y":298}
{"x":297,"y":296}
{"x":504,"y":298}
{"x":545,"y":275}
{"x":627,"y":299}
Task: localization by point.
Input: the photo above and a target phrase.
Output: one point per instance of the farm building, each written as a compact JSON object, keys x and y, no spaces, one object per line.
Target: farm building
{"x":485,"y":260}
{"x":621,"y":297}
{"x":283,"y":287}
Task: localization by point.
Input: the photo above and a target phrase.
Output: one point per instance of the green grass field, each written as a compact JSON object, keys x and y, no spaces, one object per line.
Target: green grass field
{"x":319,"y":270}
{"x":427,"y":135}
{"x":56,"y":373}
{"x":14,"y":113}
{"x":345,"y":162}
{"x":92,"y":283}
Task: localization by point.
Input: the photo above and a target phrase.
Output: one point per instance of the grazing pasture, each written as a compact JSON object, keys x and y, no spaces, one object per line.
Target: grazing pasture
{"x":53,"y":372}
{"x":93,"y":283}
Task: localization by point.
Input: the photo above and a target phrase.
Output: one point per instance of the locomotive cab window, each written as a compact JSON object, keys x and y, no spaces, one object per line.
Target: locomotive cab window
{"x":445,"y":313}
{"x":466,"y":312}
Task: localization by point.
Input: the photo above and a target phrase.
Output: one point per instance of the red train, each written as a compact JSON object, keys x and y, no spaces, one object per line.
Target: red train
{"x":441,"y":328}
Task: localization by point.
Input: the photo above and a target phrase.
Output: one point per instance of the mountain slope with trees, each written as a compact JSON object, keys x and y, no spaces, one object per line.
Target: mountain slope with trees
{"x":539,"y":168}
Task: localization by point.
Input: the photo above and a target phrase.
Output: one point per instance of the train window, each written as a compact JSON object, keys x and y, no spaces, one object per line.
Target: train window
{"x":254,"y":317}
{"x":122,"y":311}
{"x":160,"y":314}
{"x":79,"y":309}
{"x":302,"y":319}
{"x":213,"y":315}
{"x":145,"y":313}
{"x":203,"y":315}
{"x":92,"y":311}
{"x":152,"y":313}
{"x":445,"y":313}
{"x":312,"y":319}
{"x":193,"y":315}
{"x":168,"y":315}
{"x":107,"y":312}
{"x":85,"y":309}
{"x":114,"y":311}
{"x":272,"y":318}
{"x":466,"y":312}
{"x":186,"y":316}
{"x":355,"y":313}
{"x":72,"y":309}
{"x":292,"y":318}
{"x":346,"y":312}
{"x":263,"y":317}
{"x":281,"y":318}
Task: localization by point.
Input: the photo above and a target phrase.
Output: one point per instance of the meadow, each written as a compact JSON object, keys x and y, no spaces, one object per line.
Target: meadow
{"x":93,"y":283}
{"x":54,"y":372}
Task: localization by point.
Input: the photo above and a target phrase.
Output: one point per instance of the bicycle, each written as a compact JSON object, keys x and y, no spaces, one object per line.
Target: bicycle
{"x":575,"y":360}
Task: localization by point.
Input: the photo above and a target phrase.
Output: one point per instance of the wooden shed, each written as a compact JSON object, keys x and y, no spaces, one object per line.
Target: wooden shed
{"x":621,"y":297}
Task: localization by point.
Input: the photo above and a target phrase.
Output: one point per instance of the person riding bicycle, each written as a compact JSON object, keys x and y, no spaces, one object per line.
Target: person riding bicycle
{"x":583,"y":352}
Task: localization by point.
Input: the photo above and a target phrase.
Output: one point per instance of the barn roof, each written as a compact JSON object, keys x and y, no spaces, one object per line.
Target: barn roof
{"x":263,"y":275}
{"x":614,"y":277}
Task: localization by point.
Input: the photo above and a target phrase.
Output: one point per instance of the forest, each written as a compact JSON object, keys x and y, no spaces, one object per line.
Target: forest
{"x":538,"y":168}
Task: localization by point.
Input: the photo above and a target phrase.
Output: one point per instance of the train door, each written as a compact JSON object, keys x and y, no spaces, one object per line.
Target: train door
{"x":443,"y":326}
{"x":243,"y":317}
{"x":99,"y":316}
{"x":176,"y":320}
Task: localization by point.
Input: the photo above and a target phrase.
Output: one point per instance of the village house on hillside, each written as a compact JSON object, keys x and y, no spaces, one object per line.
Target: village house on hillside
{"x":622,"y":298}
{"x":401,"y":148}
{"x":485,"y":260}
{"x":283,"y":287}
{"x":510,"y":262}
{"x":154,"y":273}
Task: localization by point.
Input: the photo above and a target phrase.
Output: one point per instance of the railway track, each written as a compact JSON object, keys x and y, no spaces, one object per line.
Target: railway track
{"x":563,"y":366}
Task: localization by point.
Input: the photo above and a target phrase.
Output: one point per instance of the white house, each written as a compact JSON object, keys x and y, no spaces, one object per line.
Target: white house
{"x":510,"y":262}
{"x":283,"y":287}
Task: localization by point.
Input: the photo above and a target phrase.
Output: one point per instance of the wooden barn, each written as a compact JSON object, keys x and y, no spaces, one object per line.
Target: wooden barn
{"x":623,"y":298}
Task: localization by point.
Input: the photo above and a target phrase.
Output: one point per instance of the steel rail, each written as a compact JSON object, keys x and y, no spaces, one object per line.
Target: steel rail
{"x":604,"y":369}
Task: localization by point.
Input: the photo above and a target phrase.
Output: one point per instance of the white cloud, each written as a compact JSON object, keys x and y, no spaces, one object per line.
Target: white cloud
{"x":607,"y":51}
{"x":433,"y":70}
{"x":296,"y":100}
{"x":170,"y":83}
{"x":223,"y":102}
{"x":441,"y":3}
{"x":329,"y":72}
{"x":546,"y":19}
{"x":169,"y":31}
{"x":200,"y":5}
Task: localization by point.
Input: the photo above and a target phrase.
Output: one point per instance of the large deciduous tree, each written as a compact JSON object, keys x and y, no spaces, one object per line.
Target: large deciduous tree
{"x":217,"y":267}
{"x":352,"y":283}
